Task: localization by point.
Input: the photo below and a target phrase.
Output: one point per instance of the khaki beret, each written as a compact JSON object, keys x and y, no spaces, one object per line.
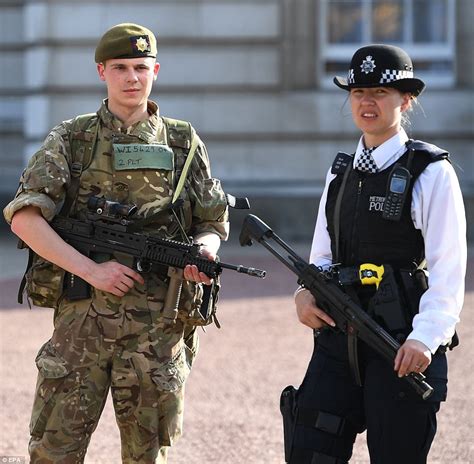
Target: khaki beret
{"x":126,"y":40}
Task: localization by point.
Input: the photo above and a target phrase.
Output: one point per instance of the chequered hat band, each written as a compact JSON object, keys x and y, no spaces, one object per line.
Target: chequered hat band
{"x":350,"y":77}
{"x":389,"y":75}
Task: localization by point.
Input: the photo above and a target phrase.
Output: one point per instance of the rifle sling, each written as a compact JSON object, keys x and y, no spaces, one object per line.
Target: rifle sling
{"x":337,"y":210}
{"x":187,"y":165}
{"x":353,"y":355}
{"x":351,"y":334}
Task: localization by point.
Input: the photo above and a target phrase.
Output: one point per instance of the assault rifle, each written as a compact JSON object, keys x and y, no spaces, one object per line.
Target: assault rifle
{"x":108,"y":229}
{"x":349,"y":317}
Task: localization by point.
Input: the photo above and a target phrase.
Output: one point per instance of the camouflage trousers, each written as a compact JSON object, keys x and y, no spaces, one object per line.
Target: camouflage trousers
{"x":119,"y":344}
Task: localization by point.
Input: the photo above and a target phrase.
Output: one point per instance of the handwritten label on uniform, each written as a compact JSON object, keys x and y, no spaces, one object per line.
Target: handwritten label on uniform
{"x":141,"y":156}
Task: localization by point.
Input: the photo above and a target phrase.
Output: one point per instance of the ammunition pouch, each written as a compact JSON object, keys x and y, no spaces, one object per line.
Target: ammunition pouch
{"x":288,"y":409}
{"x":43,"y":282}
{"x":395,"y":303}
{"x":198,"y":303}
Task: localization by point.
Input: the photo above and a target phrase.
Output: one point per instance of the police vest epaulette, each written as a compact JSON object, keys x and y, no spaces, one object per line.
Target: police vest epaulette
{"x":436,"y":153}
{"x":341,"y":162}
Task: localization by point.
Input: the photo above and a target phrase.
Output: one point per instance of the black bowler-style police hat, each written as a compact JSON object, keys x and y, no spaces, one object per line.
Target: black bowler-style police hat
{"x":381,"y":66}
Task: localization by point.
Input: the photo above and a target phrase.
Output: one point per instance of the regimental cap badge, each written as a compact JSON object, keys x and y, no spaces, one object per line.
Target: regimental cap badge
{"x":140,"y":44}
{"x":368,"y":65}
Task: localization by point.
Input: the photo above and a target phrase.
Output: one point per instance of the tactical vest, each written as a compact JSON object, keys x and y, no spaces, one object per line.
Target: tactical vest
{"x":364,"y":235}
{"x":44,"y":280}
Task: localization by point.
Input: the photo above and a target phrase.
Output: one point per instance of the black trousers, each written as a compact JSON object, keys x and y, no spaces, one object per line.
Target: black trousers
{"x":400,"y":424}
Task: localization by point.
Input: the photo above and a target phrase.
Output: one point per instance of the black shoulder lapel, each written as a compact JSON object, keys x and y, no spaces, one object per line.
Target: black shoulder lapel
{"x":341,"y":162}
{"x":436,"y":153}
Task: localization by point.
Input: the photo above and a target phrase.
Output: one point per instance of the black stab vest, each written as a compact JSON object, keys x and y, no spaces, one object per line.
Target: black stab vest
{"x":365,"y":236}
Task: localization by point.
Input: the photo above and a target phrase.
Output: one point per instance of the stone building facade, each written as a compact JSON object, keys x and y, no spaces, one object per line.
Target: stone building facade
{"x":252,"y":75}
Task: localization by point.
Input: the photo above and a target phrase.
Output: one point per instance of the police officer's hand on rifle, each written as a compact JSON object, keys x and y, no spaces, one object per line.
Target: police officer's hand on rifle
{"x":308,"y":312}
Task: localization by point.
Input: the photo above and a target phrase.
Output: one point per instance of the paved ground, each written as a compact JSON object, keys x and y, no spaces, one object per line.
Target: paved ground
{"x":232,"y":414}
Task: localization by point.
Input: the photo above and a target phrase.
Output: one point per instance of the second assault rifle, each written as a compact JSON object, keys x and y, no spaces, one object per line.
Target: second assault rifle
{"x":108,"y":229}
{"x":349,"y":317}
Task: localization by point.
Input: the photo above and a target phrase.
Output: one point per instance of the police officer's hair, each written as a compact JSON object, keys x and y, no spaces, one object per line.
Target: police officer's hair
{"x":414,"y":106}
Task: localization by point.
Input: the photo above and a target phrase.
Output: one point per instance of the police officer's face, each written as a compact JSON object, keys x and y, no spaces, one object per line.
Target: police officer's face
{"x":129,"y":81}
{"x":377,"y":111}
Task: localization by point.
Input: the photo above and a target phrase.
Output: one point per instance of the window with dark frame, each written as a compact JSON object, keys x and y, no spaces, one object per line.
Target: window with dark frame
{"x":424,"y":28}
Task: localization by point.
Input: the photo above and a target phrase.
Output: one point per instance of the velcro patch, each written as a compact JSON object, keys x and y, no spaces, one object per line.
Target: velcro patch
{"x":341,"y":162}
{"x":141,"y":156}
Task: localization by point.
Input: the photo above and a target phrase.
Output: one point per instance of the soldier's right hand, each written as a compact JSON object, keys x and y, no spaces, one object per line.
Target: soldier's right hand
{"x":308,"y":312}
{"x":113,"y":277}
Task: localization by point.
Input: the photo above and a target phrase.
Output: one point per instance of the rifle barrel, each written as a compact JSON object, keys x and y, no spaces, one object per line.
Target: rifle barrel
{"x":251,"y":271}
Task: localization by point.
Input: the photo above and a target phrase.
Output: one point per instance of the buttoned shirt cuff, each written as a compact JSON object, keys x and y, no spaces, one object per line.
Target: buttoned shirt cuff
{"x":432,"y":343}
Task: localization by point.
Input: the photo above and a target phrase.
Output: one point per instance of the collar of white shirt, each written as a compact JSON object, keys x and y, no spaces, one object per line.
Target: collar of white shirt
{"x":387,"y":153}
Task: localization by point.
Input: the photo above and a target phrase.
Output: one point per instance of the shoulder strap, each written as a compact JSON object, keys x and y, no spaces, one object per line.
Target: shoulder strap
{"x":181,"y":134}
{"x":184,"y":172}
{"x":342,"y":164}
{"x":436,"y":153}
{"x":420,"y":155}
{"x":82,"y":141}
{"x":84,"y":128}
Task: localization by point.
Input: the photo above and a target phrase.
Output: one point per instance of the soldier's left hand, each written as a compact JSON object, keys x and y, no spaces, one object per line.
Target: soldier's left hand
{"x":412,"y":356}
{"x":191,"y":272}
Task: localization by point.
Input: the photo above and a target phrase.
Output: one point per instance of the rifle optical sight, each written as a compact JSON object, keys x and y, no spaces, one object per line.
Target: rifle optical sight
{"x":108,"y":208}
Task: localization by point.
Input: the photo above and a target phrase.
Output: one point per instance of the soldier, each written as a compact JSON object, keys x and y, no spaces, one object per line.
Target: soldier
{"x":117,"y":338}
{"x":395,"y":202}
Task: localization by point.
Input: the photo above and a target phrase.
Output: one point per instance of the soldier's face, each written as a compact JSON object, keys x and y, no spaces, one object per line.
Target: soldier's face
{"x":377,"y":111}
{"x":129,"y":81}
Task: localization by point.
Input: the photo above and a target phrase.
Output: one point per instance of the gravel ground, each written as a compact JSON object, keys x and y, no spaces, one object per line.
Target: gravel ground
{"x":232,"y":399}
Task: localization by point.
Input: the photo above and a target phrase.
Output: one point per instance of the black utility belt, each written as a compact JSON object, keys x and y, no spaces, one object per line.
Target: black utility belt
{"x":371,"y":274}
{"x":390,"y":296}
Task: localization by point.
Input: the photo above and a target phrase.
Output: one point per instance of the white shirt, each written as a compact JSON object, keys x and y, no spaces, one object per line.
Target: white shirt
{"x":437,"y":210}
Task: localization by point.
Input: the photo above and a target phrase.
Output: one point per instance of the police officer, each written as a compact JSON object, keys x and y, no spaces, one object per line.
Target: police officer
{"x":369,"y":215}
{"x":117,"y":338}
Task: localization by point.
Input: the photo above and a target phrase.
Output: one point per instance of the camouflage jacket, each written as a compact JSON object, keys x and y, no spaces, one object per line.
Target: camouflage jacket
{"x":47,"y":176}
{"x":150,"y":186}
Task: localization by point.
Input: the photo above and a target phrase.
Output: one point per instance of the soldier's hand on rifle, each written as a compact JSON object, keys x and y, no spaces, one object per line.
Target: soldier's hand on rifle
{"x":412,"y":356}
{"x":308,"y":312}
{"x":192,"y":273}
{"x":113,"y":277}
{"x":210,"y":243}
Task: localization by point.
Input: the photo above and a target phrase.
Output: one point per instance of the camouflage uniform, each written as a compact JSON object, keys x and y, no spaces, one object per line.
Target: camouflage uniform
{"x":107,"y":341}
